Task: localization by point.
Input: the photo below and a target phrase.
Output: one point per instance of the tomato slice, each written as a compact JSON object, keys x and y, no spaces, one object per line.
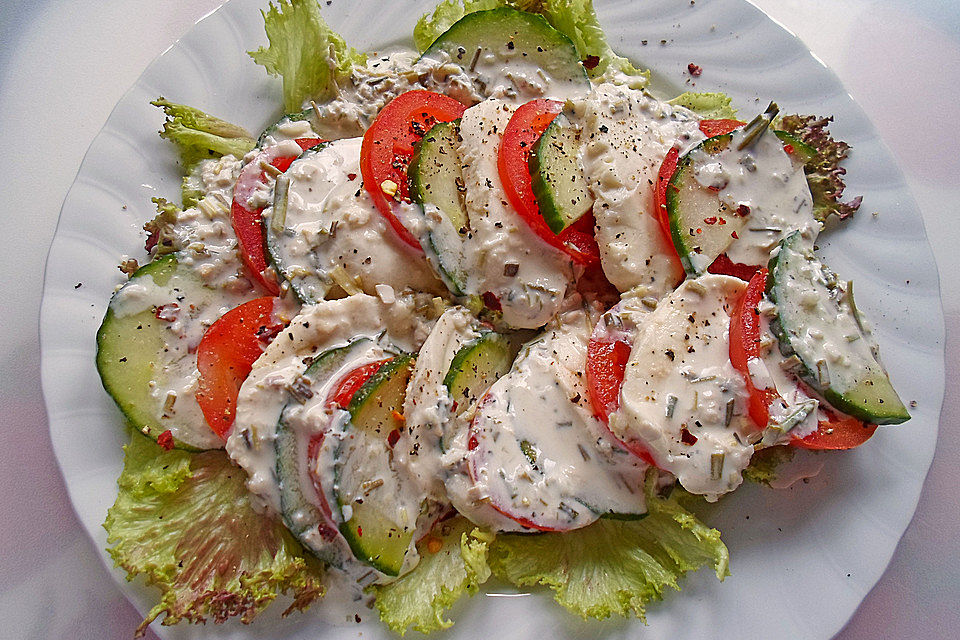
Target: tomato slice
{"x":348,"y":386}
{"x":246,"y":222}
{"x":838,"y":432}
{"x":225,"y":356}
{"x":667,"y":168}
{"x":607,"y":354}
{"x":519,"y":137}
{"x":745,"y":345}
{"x":388,"y":147}
{"x":711,"y":128}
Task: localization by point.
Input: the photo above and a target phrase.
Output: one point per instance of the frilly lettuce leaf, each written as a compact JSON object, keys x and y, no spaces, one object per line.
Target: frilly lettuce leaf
{"x":306,"y":53}
{"x":765,"y":462}
{"x":161,"y":238}
{"x":576,"y":19}
{"x":200,"y":136}
{"x":824,"y":173}
{"x":452,"y":564}
{"x":707,"y":105}
{"x":613,"y":566}
{"x":185,"y":523}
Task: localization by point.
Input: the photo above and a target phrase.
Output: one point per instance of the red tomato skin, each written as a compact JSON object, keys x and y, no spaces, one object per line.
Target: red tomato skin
{"x":225,"y":356}
{"x":727,"y":267}
{"x":839,"y":432}
{"x":246,"y":223}
{"x":348,"y":386}
{"x":744,"y":345}
{"x":389,"y":143}
{"x":523,"y":131}
{"x":711,"y":128}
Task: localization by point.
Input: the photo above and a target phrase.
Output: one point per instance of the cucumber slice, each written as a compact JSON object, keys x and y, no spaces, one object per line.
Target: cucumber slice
{"x":307,"y":284}
{"x":476,"y":366}
{"x":133,"y":349}
{"x":306,"y":518}
{"x":799,"y":150}
{"x":272,"y":130}
{"x":497,"y":45}
{"x":818,"y":322}
{"x":437,"y":186}
{"x":558,"y":183}
{"x":379,"y":509}
{"x":690,"y":206}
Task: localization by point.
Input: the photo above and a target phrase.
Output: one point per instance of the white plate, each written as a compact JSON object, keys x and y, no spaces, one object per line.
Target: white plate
{"x":802,"y":559}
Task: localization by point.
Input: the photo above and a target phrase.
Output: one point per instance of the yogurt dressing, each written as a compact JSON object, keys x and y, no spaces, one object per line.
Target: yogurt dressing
{"x":767,"y":190}
{"x":682,"y":400}
{"x":626,"y":135}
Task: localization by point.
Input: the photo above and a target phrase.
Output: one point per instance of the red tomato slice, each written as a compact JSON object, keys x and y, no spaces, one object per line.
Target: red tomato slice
{"x":607,"y":354}
{"x":745,"y":345}
{"x":667,"y":169}
{"x":348,"y":386}
{"x":839,"y":432}
{"x":727,"y":267}
{"x":246,"y":222}
{"x":711,"y":128}
{"x":328,"y":529}
{"x":225,"y":356}
{"x":388,"y":147}
{"x":520,"y":135}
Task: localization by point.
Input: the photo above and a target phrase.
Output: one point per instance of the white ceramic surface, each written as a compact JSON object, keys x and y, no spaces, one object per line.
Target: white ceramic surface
{"x":819,"y":547}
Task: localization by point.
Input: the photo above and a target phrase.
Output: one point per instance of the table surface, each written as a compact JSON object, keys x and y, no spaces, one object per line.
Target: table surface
{"x":63,"y":65}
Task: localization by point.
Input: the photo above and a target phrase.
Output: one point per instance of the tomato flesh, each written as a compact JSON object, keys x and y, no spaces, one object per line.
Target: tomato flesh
{"x":388,"y":147}
{"x":711,"y":128}
{"x":838,"y":432}
{"x":225,"y":356}
{"x":523,"y":131}
{"x":348,"y":386}
{"x":246,"y":222}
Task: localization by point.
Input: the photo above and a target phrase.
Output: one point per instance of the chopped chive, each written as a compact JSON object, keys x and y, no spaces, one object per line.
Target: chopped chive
{"x":671,"y":404}
{"x":716,"y":465}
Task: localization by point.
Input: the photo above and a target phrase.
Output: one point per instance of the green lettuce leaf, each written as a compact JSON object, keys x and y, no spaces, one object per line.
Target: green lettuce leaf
{"x":185,"y":523}
{"x":576,"y":19}
{"x":614,"y":566}
{"x":306,"y":53}
{"x":161,"y":237}
{"x":824,"y":173}
{"x":765,"y":462}
{"x":451,"y":565}
{"x":707,"y":105}
{"x":200,"y":136}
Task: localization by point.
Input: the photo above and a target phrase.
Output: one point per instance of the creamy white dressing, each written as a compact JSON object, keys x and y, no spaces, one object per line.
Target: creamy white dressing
{"x":763,"y":188}
{"x":626,"y":135}
{"x":540,"y":455}
{"x":331,"y":226}
{"x":682,"y":400}
{"x":498,"y":236}
{"x":265,"y":391}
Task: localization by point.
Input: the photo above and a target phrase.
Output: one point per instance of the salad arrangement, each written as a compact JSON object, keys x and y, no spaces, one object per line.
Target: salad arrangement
{"x":518,"y":313}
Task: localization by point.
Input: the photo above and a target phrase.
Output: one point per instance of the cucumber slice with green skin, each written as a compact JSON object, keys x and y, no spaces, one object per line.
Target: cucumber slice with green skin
{"x":436,"y":185}
{"x":818,"y":322}
{"x":272,"y":130}
{"x":379,"y":510}
{"x":799,"y":150}
{"x":558,"y":183}
{"x":497,"y":44}
{"x":132,"y":347}
{"x":310,"y":520}
{"x":305,"y":287}
{"x":690,"y":205}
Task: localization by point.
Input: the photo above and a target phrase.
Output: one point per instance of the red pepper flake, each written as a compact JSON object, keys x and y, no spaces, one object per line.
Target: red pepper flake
{"x":491,"y":301}
{"x":743,"y":210}
{"x":393,"y":438}
{"x":694,"y":69}
{"x":735,"y":236}
{"x":788,"y":148}
{"x":167,"y":312}
{"x":399,"y":417}
{"x":591,"y":62}
{"x":266,"y":334}
{"x":699,"y":230}
{"x":351,"y":177}
{"x":687,"y":438}
{"x":711,"y":220}
{"x":165,"y":440}
{"x":359,"y":531}
{"x":722,"y":221}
